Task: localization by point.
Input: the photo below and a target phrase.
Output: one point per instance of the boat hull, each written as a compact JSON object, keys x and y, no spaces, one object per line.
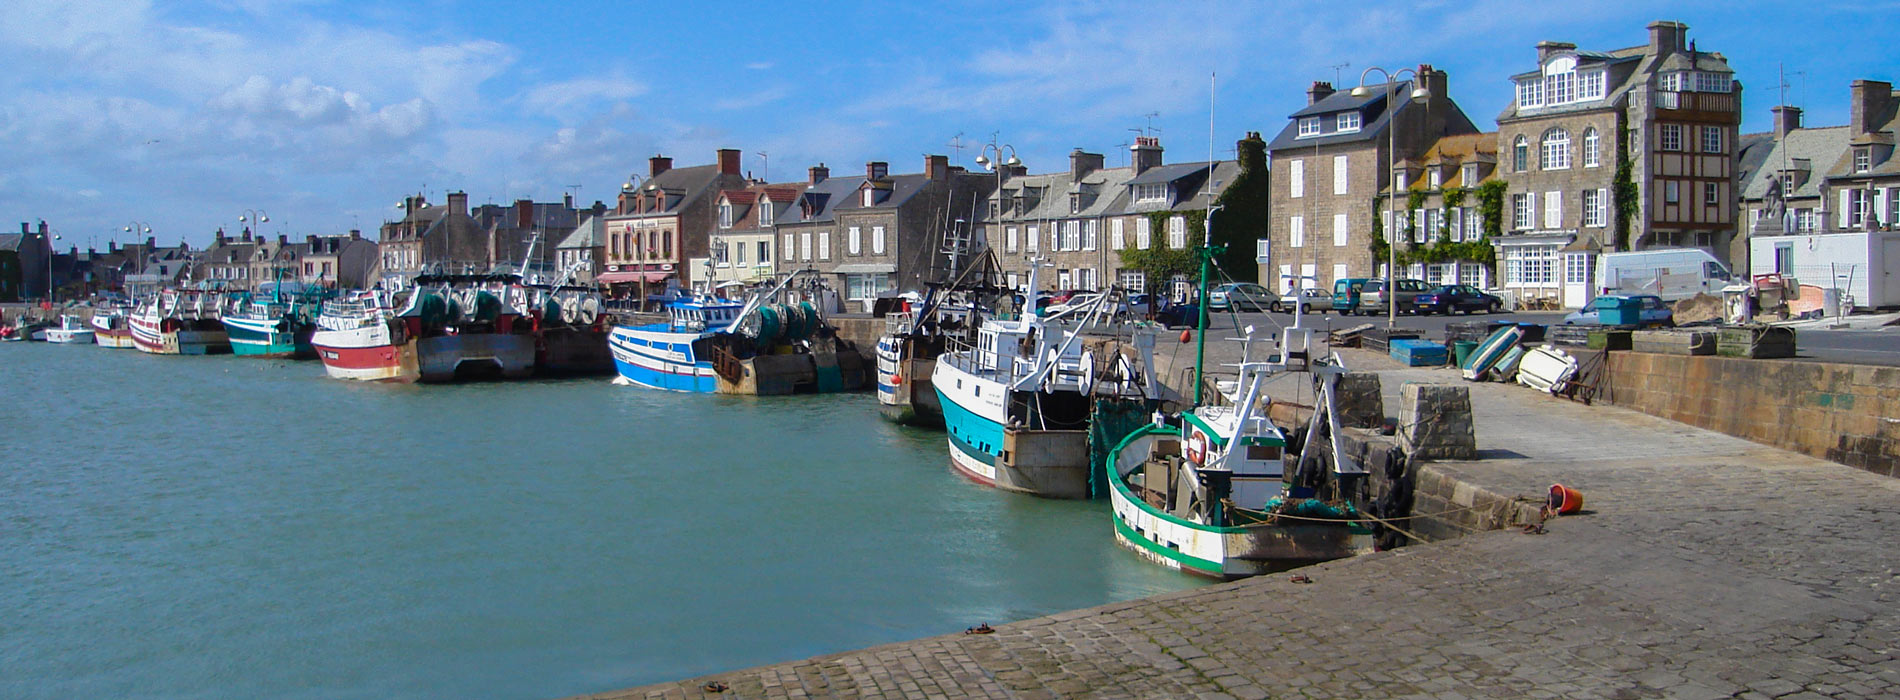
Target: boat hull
{"x":150,"y":335}
{"x":904,"y":392}
{"x":1208,"y":550}
{"x":1047,"y":463}
{"x":118,"y":338}
{"x":69,"y":337}
{"x":573,"y":351}
{"x":661,"y":360}
{"x":369,"y":353}
{"x":448,"y":358}
{"x":254,"y":337}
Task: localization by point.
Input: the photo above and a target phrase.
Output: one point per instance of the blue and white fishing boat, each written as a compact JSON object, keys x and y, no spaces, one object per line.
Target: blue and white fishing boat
{"x":674,"y":355}
{"x":714,"y":345}
{"x":1018,"y":404}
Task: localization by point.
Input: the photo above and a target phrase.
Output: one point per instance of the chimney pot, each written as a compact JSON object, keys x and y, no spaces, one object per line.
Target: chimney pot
{"x":1146,"y":153}
{"x":1320,"y":90}
{"x":936,"y":167}
{"x":1787,"y":118}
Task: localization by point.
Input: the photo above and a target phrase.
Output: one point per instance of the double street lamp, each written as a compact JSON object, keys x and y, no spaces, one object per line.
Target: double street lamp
{"x":998,"y":164}
{"x":49,"y":266}
{"x":1419,"y":94}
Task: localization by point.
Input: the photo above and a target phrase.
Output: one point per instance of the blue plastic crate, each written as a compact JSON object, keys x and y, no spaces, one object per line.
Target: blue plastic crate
{"x":1419,"y":353}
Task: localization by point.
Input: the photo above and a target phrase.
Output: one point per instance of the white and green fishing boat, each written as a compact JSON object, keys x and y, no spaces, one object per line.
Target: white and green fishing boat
{"x":277,"y":321}
{"x":1209,"y":491}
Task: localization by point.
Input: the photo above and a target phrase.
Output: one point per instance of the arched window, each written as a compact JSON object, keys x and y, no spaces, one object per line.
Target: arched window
{"x":1520,"y":154}
{"x":1592,"y":148}
{"x":1556,"y":150}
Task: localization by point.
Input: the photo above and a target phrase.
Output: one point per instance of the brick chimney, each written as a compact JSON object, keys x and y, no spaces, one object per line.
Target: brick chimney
{"x":246,"y":235}
{"x":1546,"y":49}
{"x":936,"y":167}
{"x":1433,"y":80}
{"x":876,"y":170}
{"x":356,"y":235}
{"x":524,"y":213}
{"x":1146,"y":153}
{"x":728,"y":161}
{"x":1666,"y":37}
{"x":221,"y":238}
{"x":311,"y":240}
{"x":817,"y":174}
{"x":1787,"y":118}
{"x":567,"y":200}
{"x":1320,"y":90}
{"x":150,"y":241}
{"x":1082,"y":163}
{"x":1868,"y":105}
{"x":658,"y":164}
{"x":283,"y":240}
{"x":458,"y":202}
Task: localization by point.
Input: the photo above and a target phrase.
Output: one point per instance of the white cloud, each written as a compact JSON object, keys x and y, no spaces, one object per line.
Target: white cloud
{"x":759,"y":65}
{"x":757,"y":99}
{"x":559,"y":98}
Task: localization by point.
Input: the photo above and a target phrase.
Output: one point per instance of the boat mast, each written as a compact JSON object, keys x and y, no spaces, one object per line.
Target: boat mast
{"x":1208,"y":251}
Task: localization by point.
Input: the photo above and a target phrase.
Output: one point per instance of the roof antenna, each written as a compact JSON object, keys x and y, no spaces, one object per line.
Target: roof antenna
{"x":1336,"y":68}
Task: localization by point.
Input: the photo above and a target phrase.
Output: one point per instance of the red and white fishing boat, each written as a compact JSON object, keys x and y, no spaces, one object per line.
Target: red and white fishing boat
{"x":362,"y":339}
{"x":111,"y":327}
{"x":180,"y":322}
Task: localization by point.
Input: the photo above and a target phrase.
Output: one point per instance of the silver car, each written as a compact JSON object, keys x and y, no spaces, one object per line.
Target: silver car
{"x":1242,"y":296}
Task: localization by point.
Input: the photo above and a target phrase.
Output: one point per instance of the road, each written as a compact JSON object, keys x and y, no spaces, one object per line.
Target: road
{"x":1875,"y":346}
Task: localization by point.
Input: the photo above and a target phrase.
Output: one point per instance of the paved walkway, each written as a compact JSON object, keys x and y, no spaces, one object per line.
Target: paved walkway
{"x":1706,"y":567}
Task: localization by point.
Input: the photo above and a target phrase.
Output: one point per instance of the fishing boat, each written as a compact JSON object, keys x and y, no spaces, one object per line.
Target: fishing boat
{"x":917,"y":334}
{"x":570,"y":327}
{"x":360,"y":338}
{"x":111,"y":327}
{"x":71,"y":330}
{"x":270,"y":323}
{"x":757,"y":347}
{"x":180,"y":322}
{"x":24,"y":330}
{"x":1018,"y":404}
{"x":1209,"y":491}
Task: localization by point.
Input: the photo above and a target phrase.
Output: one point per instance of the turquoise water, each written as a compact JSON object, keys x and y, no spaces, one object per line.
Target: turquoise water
{"x":208,"y":527}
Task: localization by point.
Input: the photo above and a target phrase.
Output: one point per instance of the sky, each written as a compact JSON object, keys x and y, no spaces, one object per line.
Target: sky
{"x":185,"y":116}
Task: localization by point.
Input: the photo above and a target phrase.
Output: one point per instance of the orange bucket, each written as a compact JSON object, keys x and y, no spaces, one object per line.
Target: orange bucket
{"x":1565,"y":500}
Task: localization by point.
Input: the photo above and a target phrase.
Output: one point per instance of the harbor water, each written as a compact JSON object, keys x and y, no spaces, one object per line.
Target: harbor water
{"x":208,"y":527}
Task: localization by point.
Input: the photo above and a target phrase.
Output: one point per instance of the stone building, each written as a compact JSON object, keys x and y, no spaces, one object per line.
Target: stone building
{"x":807,"y":229}
{"x":526,"y":231}
{"x":1330,"y":168}
{"x":227,"y":261}
{"x":29,"y":250}
{"x":889,"y":230}
{"x":584,"y":251}
{"x":665,"y":220}
{"x":1865,"y":182}
{"x":338,"y":261}
{"x":745,"y":243}
{"x":1670,"y":108}
{"x":1784,"y":177}
{"x":1445,"y":179}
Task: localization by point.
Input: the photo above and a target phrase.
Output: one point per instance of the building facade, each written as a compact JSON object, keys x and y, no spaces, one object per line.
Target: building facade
{"x":666,"y":220}
{"x":1330,"y":167}
{"x":1447,"y":182}
{"x":744,"y":245}
{"x":1615,"y":150}
{"x":807,"y":230}
{"x":1865,"y":182}
{"x":890,"y":229}
{"x":345,"y":261}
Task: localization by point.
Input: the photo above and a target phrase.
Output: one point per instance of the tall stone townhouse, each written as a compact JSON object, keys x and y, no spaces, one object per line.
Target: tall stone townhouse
{"x":807,"y":230}
{"x":665,"y":220}
{"x":890,"y":230}
{"x":227,"y":261}
{"x":1866,"y":181}
{"x":1823,"y":179}
{"x":744,"y":246}
{"x":1330,"y":166}
{"x":346,"y":261}
{"x":1445,"y":182}
{"x":1784,"y":177}
{"x":433,"y":238}
{"x":1668,"y":107}
{"x":526,"y":231}
{"x":584,"y":251}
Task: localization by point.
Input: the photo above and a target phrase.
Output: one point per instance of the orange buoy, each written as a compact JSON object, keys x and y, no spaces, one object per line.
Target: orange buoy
{"x":1187,"y":335}
{"x":1565,"y":500}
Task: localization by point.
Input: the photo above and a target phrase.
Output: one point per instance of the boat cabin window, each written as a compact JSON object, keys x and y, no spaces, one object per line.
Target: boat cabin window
{"x":1263,"y":452}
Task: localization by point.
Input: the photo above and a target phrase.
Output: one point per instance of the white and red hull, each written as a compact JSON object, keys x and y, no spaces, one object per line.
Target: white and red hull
{"x":371,"y":353}
{"x":170,"y":336}
{"x":109,"y":330}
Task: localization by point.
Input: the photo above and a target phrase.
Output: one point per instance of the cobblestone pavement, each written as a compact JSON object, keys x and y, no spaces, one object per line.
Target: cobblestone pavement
{"x":1704,"y":567}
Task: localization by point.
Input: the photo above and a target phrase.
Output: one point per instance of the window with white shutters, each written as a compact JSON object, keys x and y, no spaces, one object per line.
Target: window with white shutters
{"x":1088,"y":234}
{"x":854,"y":241}
{"x":1116,"y":238}
{"x":1035,"y":238}
{"x":1553,"y":210}
{"x":1261,"y":248}
{"x":824,"y":245}
{"x":1144,"y":235}
{"x":1010,"y":239}
{"x":877,"y":240}
{"x":804,"y":246}
{"x":1296,"y":231}
{"x":1340,"y":174}
{"x":1177,"y":232}
{"x":1339,"y":230}
{"x":1297,"y":180}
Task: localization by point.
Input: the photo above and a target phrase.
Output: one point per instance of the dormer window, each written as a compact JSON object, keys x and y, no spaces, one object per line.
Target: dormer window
{"x":1075,"y":203}
{"x":1435,"y":179}
{"x":765,"y":212}
{"x":1471,"y":175}
{"x":1863,"y":159}
{"x":1530,"y":92}
{"x":1154,"y":192}
{"x":1713,"y":82}
{"x":725,"y":214}
{"x":1309,"y":126}
{"x":870,"y":197}
{"x":1347,"y":121}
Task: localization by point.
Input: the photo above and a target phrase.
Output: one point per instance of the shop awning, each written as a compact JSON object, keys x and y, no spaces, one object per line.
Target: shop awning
{"x":625,"y":277}
{"x":865,"y":269}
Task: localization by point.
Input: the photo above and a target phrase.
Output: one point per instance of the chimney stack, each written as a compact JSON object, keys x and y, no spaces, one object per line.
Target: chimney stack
{"x":658,"y":164}
{"x":817,"y":174}
{"x":876,"y":170}
{"x":221,"y":238}
{"x":311,"y":240}
{"x":1868,"y":106}
{"x":936,"y":167}
{"x":356,"y":235}
{"x":1320,"y":90}
{"x":524,"y":213}
{"x":283,"y":240}
{"x":1667,"y":37}
{"x":1082,"y":163}
{"x":1147,"y":150}
{"x":246,"y":235}
{"x":1433,"y":80}
{"x":150,"y":243}
{"x":728,"y":161}
{"x":1787,"y":118}
{"x":567,"y":200}
{"x":1545,"y":49}
{"x":458,"y":202}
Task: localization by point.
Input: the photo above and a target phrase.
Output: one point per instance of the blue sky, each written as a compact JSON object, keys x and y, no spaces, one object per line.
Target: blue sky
{"x":324,"y":114}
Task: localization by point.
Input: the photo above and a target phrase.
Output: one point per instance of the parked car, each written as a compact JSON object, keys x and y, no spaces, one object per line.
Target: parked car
{"x":1346,"y":294}
{"x":1312,"y":300}
{"x":1372,"y":296}
{"x":1654,"y":312}
{"x":1076,"y":301}
{"x":1138,"y":305}
{"x":1450,"y":298}
{"x":1245,"y":296}
{"x":1178,"y":315}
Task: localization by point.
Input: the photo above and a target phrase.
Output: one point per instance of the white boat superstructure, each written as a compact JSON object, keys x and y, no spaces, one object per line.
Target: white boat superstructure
{"x":71,"y":329}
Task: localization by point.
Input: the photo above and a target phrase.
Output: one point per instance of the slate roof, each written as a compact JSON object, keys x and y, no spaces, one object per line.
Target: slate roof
{"x":1822,"y":147}
{"x":586,"y":235}
{"x":683,"y":186}
{"x":10,"y":241}
{"x":828,"y":195}
{"x":1372,"y":120}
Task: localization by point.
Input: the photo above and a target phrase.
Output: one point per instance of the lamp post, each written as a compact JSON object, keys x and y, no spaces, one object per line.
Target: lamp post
{"x":253,"y":217}
{"x":639,"y":238}
{"x":991,"y":156}
{"x":1418,"y":94}
{"x":49,"y":266}
{"x":135,"y":228}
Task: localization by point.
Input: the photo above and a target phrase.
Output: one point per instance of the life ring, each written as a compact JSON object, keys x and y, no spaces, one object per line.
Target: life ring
{"x":1196,"y":448}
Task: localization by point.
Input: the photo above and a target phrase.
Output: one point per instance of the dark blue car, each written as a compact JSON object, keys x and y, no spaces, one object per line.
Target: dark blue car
{"x":1451,"y":298}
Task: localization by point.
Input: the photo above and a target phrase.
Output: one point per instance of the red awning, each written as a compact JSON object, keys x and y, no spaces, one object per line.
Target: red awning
{"x":624,"y":277}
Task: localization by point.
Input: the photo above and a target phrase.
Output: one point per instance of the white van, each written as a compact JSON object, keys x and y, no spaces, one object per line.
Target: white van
{"x":1670,"y":273}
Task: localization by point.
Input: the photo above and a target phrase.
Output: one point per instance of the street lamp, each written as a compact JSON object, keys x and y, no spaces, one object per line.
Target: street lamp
{"x":639,"y":238}
{"x":997,"y":165}
{"x":254,"y":217}
{"x":135,"y":228}
{"x":49,"y":266}
{"x":1419,"y":95}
